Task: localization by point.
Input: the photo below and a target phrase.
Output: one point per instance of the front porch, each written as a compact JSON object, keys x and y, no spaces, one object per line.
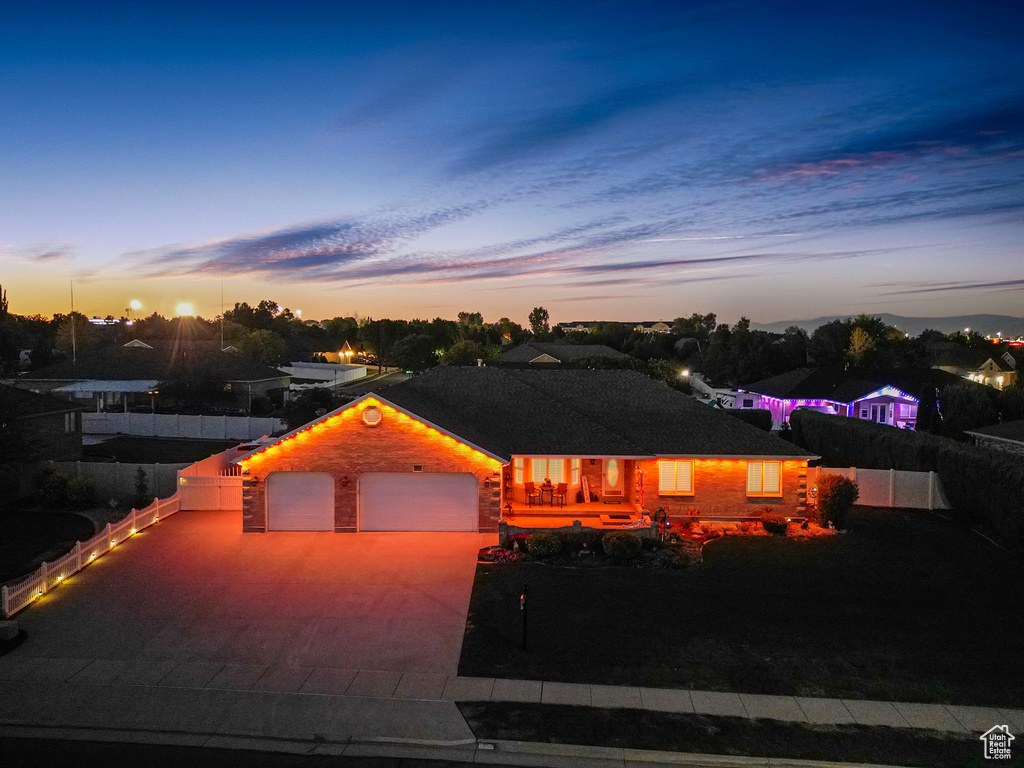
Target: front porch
{"x":591,"y":514}
{"x":599,"y":492}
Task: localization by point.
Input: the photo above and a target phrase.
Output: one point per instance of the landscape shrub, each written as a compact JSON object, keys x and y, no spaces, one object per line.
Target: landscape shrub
{"x":836,"y":497}
{"x":80,"y":492}
{"x":981,"y":481}
{"x":544,"y":544}
{"x":52,"y":484}
{"x":575,"y":541}
{"x":774,"y":523}
{"x":621,"y":545}
{"x":755,"y":417}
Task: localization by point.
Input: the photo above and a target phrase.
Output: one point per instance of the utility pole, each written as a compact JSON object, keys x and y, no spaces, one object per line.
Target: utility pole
{"x":74,"y":341}
{"x":222,"y":314}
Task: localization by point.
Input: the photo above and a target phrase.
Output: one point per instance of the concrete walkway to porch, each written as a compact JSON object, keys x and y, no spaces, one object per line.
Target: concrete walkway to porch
{"x":24,"y":678}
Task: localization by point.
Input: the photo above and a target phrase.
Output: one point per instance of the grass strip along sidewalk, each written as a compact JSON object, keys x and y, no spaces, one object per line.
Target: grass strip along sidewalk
{"x":665,"y":731}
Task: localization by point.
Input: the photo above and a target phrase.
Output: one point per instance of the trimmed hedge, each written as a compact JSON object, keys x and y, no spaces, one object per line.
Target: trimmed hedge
{"x":980,"y":481}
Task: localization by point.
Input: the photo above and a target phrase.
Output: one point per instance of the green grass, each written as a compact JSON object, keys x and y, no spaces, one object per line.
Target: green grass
{"x":666,"y":731}
{"x":904,"y":607}
{"x":156,"y":450}
{"x":29,"y":537}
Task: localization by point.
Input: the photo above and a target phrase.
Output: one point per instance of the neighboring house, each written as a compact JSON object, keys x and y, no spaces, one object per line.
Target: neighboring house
{"x":343,"y":355}
{"x":1008,"y":436}
{"x":998,"y":369}
{"x":553,"y":353}
{"x":652,"y":326}
{"x":890,"y":398}
{"x":305,"y":375}
{"x":119,"y":377}
{"x":578,"y":325}
{"x":454,"y":449}
{"x":38,"y":427}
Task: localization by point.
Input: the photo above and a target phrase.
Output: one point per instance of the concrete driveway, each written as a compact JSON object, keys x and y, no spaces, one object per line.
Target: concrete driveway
{"x":195,"y":589}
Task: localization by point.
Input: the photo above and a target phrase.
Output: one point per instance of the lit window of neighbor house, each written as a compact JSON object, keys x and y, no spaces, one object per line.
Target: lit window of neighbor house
{"x":764,"y":478}
{"x":675,"y":477}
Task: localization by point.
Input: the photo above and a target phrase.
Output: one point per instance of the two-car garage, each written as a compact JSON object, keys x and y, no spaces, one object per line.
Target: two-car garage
{"x":386,"y":501}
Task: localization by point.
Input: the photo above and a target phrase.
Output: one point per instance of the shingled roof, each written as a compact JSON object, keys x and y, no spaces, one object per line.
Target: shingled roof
{"x":1008,"y":430}
{"x":577,"y":412}
{"x":157,"y":362}
{"x":561,"y":351}
{"x":842,"y":385}
{"x":16,"y":404}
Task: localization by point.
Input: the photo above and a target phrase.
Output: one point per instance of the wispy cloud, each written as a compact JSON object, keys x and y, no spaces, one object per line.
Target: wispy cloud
{"x":996,"y":285}
{"x":42,"y":253}
{"x":515,"y":139}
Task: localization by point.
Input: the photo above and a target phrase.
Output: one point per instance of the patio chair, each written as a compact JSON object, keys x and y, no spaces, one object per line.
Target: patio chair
{"x":561,"y":491}
{"x":531,"y":494}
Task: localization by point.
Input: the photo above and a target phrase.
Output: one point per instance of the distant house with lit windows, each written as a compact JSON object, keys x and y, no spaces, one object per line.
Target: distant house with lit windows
{"x":889,"y":398}
{"x":476,"y":449}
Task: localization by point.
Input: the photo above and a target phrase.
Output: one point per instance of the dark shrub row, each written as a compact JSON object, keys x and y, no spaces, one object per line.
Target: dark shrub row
{"x":979,"y":481}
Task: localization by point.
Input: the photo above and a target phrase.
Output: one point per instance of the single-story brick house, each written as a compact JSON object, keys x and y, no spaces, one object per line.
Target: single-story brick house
{"x":461,"y":448}
{"x":890,"y":397}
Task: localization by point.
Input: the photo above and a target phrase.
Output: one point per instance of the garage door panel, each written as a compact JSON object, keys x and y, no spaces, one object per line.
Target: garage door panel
{"x":300,"y":501}
{"x":419,"y":501}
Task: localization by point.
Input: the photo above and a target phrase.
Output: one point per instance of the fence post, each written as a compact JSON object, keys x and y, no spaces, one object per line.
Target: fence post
{"x":44,"y":572}
{"x":892,"y":488}
{"x":931,"y":490}
{"x":108,"y":537}
{"x":78,"y":555}
{"x":3,"y":594}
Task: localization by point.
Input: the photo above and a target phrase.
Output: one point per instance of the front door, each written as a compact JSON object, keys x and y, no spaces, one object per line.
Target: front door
{"x":880,"y":412}
{"x":611,"y":477}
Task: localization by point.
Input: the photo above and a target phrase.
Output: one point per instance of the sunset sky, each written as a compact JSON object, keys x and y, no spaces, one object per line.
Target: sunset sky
{"x":626,"y":161}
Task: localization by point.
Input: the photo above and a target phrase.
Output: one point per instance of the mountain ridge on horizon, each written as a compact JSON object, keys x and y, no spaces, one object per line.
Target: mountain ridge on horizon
{"x":1008,"y":325}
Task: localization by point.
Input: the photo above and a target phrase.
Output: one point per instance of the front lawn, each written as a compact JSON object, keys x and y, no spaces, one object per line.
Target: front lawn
{"x":904,"y":607}
{"x":702,"y":734}
{"x":27,"y":537}
{"x":155,"y":450}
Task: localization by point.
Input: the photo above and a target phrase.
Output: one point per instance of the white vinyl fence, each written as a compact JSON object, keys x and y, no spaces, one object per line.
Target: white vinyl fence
{"x":181,"y":425}
{"x":213,"y":483}
{"x":21,"y":593}
{"x":889,"y":487}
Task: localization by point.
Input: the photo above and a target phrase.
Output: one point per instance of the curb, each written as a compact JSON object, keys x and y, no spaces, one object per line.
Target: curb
{"x":479,"y":751}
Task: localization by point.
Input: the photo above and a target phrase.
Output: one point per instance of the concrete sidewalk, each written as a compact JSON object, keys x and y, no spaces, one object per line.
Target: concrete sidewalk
{"x":32,"y":675}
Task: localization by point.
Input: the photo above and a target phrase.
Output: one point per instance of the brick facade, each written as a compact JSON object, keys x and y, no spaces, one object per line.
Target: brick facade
{"x":720,"y":490}
{"x":346,"y":448}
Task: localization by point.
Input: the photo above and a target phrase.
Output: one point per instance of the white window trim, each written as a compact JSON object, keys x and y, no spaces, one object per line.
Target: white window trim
{"x":575,"y":472}
{"x":756,"y":487}
{"x":548,"y":464}
{"x":671,"y":466}
{"x":518,"y":470}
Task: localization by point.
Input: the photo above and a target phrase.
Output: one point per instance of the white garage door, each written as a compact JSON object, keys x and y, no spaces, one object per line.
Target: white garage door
{"x":418,"y":501}
{"x":300,"y":501}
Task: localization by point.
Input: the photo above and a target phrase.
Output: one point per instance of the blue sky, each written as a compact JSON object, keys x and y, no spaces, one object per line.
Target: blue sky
{"x":605,"y":160}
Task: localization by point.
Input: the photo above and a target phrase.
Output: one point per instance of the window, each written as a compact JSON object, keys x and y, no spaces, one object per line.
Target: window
{"x":908,"y":411}
{"x":764,"y":478}
{"x":675,"y":477}
{"x":547,"y":469}
{"x":517,"y":470}
{"x":748,"y":403}
{"x":575,"y":470}
{"x":863,"y":413}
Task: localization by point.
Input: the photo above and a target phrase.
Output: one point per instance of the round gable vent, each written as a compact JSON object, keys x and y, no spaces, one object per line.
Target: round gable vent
{"x":372,"y":416}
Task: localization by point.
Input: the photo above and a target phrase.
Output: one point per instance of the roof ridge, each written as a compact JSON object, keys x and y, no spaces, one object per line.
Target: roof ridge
{"x":586,"y":417}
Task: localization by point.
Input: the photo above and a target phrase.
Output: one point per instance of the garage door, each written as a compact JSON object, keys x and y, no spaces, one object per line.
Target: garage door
{"x":418,"y":501}
{"x":300,"y":501}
